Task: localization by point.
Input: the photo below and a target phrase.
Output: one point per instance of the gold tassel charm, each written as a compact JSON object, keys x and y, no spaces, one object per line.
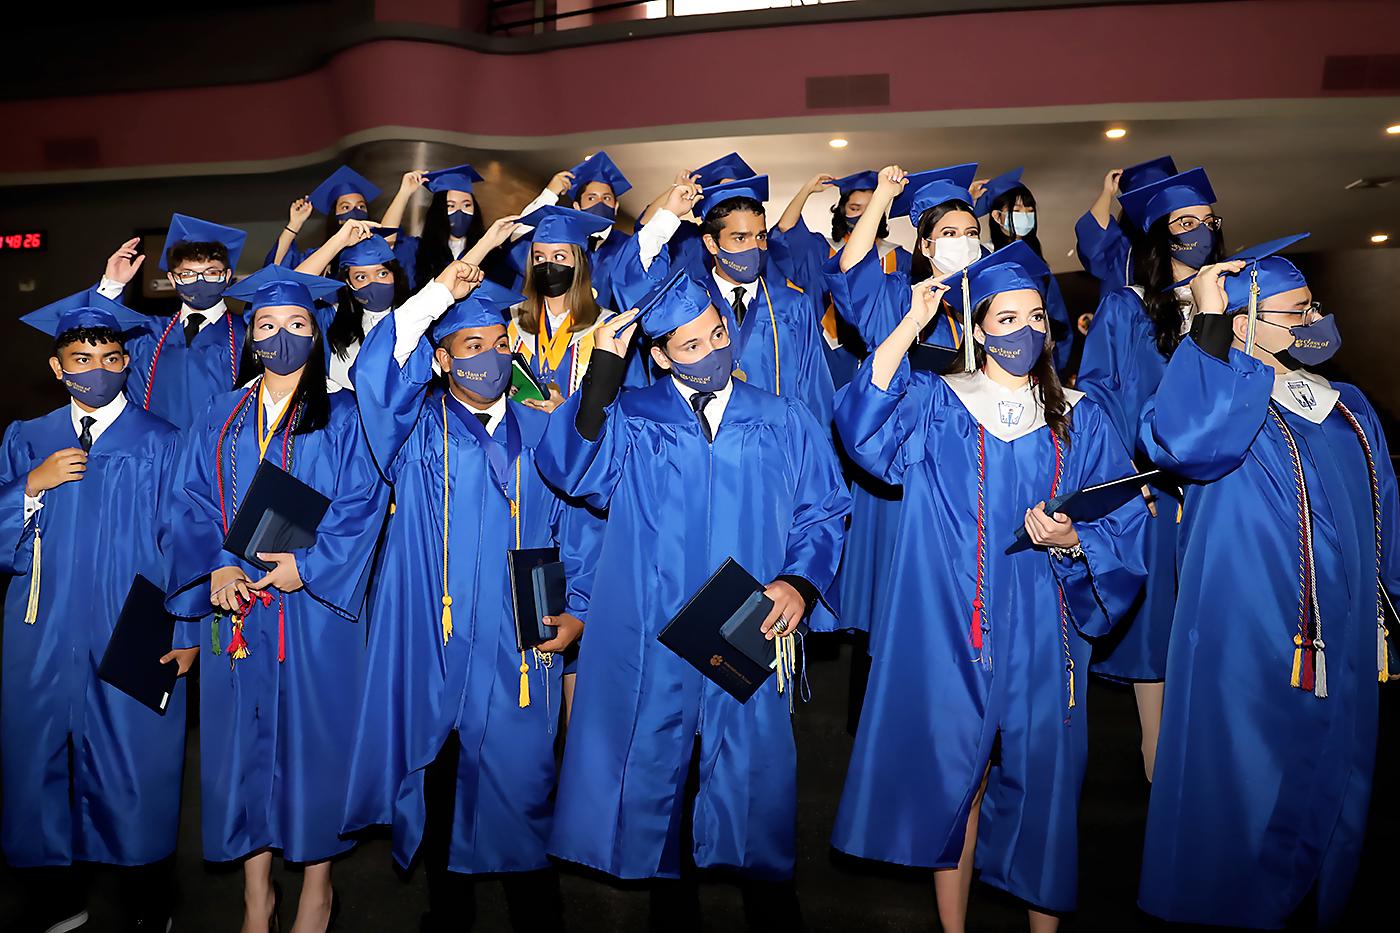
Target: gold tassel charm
{"x":787,"y":666}
{"x":1382,"y":652}
{"x":31,"y":610}
{"x":1297,"y":679}
{"x":1071,"y":685}
{"x":446,"y":618}
{"x":524,"y":681}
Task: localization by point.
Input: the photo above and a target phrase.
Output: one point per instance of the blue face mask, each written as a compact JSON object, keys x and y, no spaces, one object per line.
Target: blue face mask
{"x":1018,"y":351}
{"x":487,"y":374}
{"x":602,"y":209}
{"x":96,"y":387}
{"x":201,"y":295}
{"x":459,"y":222}
{"x":283,"y":352}
{"x":355,"y":213}
{"x":744,"y":266}
{"x":376,"y":296}
{"x":710,"y":373}
{"x":1313,"y":344}
{"x":1193,"y":248}
{"x":1022,"y":222}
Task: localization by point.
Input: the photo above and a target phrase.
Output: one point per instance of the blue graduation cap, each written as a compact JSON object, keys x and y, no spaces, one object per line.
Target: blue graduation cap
{"x":278,"y":286}
{"x":488,"y":304}
{"x":755,"y":187}
{"x":1002,"y":184}
{"x":672,"y":304}
{"x":554,"y":224}
{"x":371,"y":251}
{"x":1275,"y":274}
{"x":1145,"y":173}
{"x":598,"y":167}
{"x":934,"y":187}
{"x":186,"y":229}
{"x":860,"y":181}
{"x":730,"y":166}
{"x":344,"y":180}
{"x":85,"y":309}
{"x":456,"y":178}
{"x":1150,"y":203}
{"x":1009,"y":269}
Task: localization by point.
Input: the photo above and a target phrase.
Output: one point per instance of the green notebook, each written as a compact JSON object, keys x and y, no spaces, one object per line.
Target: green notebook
{"x":523,"y":384}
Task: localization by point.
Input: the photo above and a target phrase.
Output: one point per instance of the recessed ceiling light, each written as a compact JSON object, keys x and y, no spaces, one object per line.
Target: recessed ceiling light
{"x":1393,"y":129}
{"x":838,"y":143}
{"x":1116,"y":132}
{"x":1380,"y":237}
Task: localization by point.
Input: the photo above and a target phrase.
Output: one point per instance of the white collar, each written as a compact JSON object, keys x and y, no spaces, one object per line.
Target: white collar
{"x":602,"y":235}
{"x":1007,"y":414}
{"x":102,"y":417}
{"x":714,"y":411}
{"x":495,"y":413}
{"x":211,"y":314}
{"x":726,"y":288}
{"x":1305,"y":394}
{"x":370,"y":318}
{"x":272,"y":410}
{"x":458,"y":245}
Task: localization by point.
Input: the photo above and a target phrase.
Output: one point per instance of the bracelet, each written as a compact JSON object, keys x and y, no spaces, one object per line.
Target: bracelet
{"x":290,"y":230}
{"x":1067,"y":553}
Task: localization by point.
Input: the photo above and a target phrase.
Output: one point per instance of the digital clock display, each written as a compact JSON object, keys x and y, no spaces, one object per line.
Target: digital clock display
{"x":27,"y":240}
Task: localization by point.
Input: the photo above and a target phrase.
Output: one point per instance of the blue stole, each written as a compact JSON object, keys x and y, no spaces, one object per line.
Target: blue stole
{"x":499,"y":455}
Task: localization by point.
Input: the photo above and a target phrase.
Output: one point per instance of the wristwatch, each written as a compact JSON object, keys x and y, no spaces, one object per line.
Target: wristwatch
{"x":1067,"y":553}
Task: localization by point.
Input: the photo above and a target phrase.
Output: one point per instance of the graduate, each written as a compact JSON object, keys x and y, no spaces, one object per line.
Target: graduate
{"x":773,"y":323}
{"x":344,"y":195}
{"x":1135,"y":331}
{"x":90,"y":774}
{"x":693,"y":469}
{"x":1011,"y":210}
{"x":194,"y":355}
{"x":452,"y":228}
{"x":282,"y":654}
{"x":455,"y":746}
{"x":1102,"y":242}
{"x":1288,"y":563}
{"x":977,"y":684}
{"x":686,"y":246}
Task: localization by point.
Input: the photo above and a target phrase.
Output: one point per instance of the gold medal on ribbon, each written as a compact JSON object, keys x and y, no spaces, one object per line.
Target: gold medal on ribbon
{"x":554,"y":387}
{"x":741,"y":375}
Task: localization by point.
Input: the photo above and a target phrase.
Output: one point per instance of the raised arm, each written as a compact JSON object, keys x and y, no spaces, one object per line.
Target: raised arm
{"x":287,"y":236}
{"x":350,"y":233}
{"x":393,"y":217}
{"x":862,"y":238}
{"x":793,"y":213}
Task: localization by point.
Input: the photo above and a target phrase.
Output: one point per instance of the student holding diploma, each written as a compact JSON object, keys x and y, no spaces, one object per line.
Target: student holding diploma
{"x":973,"y":735}
{"x":693,"y":469}
{"x":282,"y":655}
{"x":455,"y":744}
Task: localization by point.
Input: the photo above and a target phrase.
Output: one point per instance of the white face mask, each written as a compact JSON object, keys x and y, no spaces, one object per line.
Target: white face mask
{"x":955,"y":253}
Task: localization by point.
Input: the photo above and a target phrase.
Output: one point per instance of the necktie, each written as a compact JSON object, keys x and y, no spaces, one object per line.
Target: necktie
{"x":192,"y":326}
{"x":739,"y":307}
{"x":484,"y":418}
{"x":594,"y":242}
{"x":85,"y":438}
{"x":698,"y":401}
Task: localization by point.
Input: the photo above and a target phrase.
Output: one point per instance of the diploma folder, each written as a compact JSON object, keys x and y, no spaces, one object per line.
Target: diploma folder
{"x":142,"y":636}
{"x":524,"y":387}
{"x":1090,"y":503}
{"x":537,"y":590}
{"x":279,"y":513}
{"x":932,"y":358}
{"x":719,"y":632}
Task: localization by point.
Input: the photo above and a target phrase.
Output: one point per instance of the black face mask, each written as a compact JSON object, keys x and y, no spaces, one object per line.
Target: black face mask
{"x":553,"y":279}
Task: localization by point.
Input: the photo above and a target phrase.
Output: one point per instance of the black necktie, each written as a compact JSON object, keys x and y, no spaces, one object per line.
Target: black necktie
{"x":739,"y":307}
{"x":594,"y":242}
{"x":192,"y":326}
{"x":698,"y":401}
{"x":85,"y":437}
{"x":484,"y":418}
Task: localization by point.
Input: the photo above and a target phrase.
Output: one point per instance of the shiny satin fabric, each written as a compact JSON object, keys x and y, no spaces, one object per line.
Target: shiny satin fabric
{"x":186,"y":377}
{"x":416,"y":689}
{"x":1261,"y":789}
{"x":767,"y":493}
{"x":1120,"y":369}
{"x":1104,"y":253}
{"x":275,"y":737}
{"x":96,"y":534}
{"x":932,"y":711}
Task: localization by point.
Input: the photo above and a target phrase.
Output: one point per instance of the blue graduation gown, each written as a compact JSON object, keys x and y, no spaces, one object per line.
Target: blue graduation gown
{"x":1261,"y":788}
{"x":94,"y":536}
{"x":186,"y":378}
{"x":932,"y":710}
{"x":1120,"y":369}
{"x":416,"y":689}
{"x":767,"y":493}
{"x":1104,"y":253}
{"x":275,"y":736}
{"x":295,"y":256}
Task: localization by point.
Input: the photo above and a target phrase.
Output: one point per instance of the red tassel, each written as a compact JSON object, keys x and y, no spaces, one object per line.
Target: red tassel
{"x":281,"y":632}
{"x":977,"y":623}
{"x":237,"y":646}
{"x":1309,"y":673}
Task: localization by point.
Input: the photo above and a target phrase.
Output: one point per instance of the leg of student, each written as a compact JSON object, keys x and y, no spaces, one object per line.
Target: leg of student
{"x":1043,"y":923}
{"x":953,"y":886}
{"x":451,"y":896}
{"x":569,"y":680}
{"x":148,"y":894}
{"x":675,"y":902}
{"x":1149,"y":704}
{"x":534,"y":901}
{"x":258,"y":903}
{"x":314,"y":905}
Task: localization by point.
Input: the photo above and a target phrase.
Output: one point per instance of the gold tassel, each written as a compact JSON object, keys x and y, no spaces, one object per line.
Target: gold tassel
{"x":446,"y":618}
{"x":524,"y":681}
{"x":1071,"y":685}
{"x":1297,"y":679}
{"x":1382,"y":652}
{"x":31,"y":611}
{"x":787,"y":667}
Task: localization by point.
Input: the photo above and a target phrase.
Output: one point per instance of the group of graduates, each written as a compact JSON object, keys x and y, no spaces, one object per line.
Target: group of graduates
{"x":859,"y":427}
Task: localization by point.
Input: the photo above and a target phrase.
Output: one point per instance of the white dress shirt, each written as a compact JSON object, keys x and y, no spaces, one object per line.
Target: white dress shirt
{"x":655,"y":234}
{"x":726,"y":288}
{"x":413,"y":318}
{"x":714,"y":411}
{"x":495,"y":413}
{"x":339,"y":372}
{"x":102,"y":420}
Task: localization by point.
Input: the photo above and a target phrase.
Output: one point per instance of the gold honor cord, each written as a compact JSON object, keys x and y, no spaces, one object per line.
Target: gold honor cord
{"x":1253,"y":309}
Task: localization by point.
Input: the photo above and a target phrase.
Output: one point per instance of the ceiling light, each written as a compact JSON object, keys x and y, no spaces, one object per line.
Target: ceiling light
{"x":1380,"y":238}
{"x":838,"y":143}
{"x":1393,"y":129}
{"x":1116,"y":132}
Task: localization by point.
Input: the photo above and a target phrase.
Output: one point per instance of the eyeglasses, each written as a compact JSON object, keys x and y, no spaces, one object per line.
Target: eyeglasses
{"x":1312,"y":312}
{"x":189,"y":278}
{"x":1188,"y":222}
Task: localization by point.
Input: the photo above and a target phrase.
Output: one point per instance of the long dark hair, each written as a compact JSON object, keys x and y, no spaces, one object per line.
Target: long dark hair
{"x":1058,"y":413}
{"x":433,"y":251}
{"x":311,"y":389}
{"x":841,"y":227}
{"x":1007,"y":205}
{"x":922,"y":267}
{"x":347,"y":328}
{"x":1152,"y":269}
